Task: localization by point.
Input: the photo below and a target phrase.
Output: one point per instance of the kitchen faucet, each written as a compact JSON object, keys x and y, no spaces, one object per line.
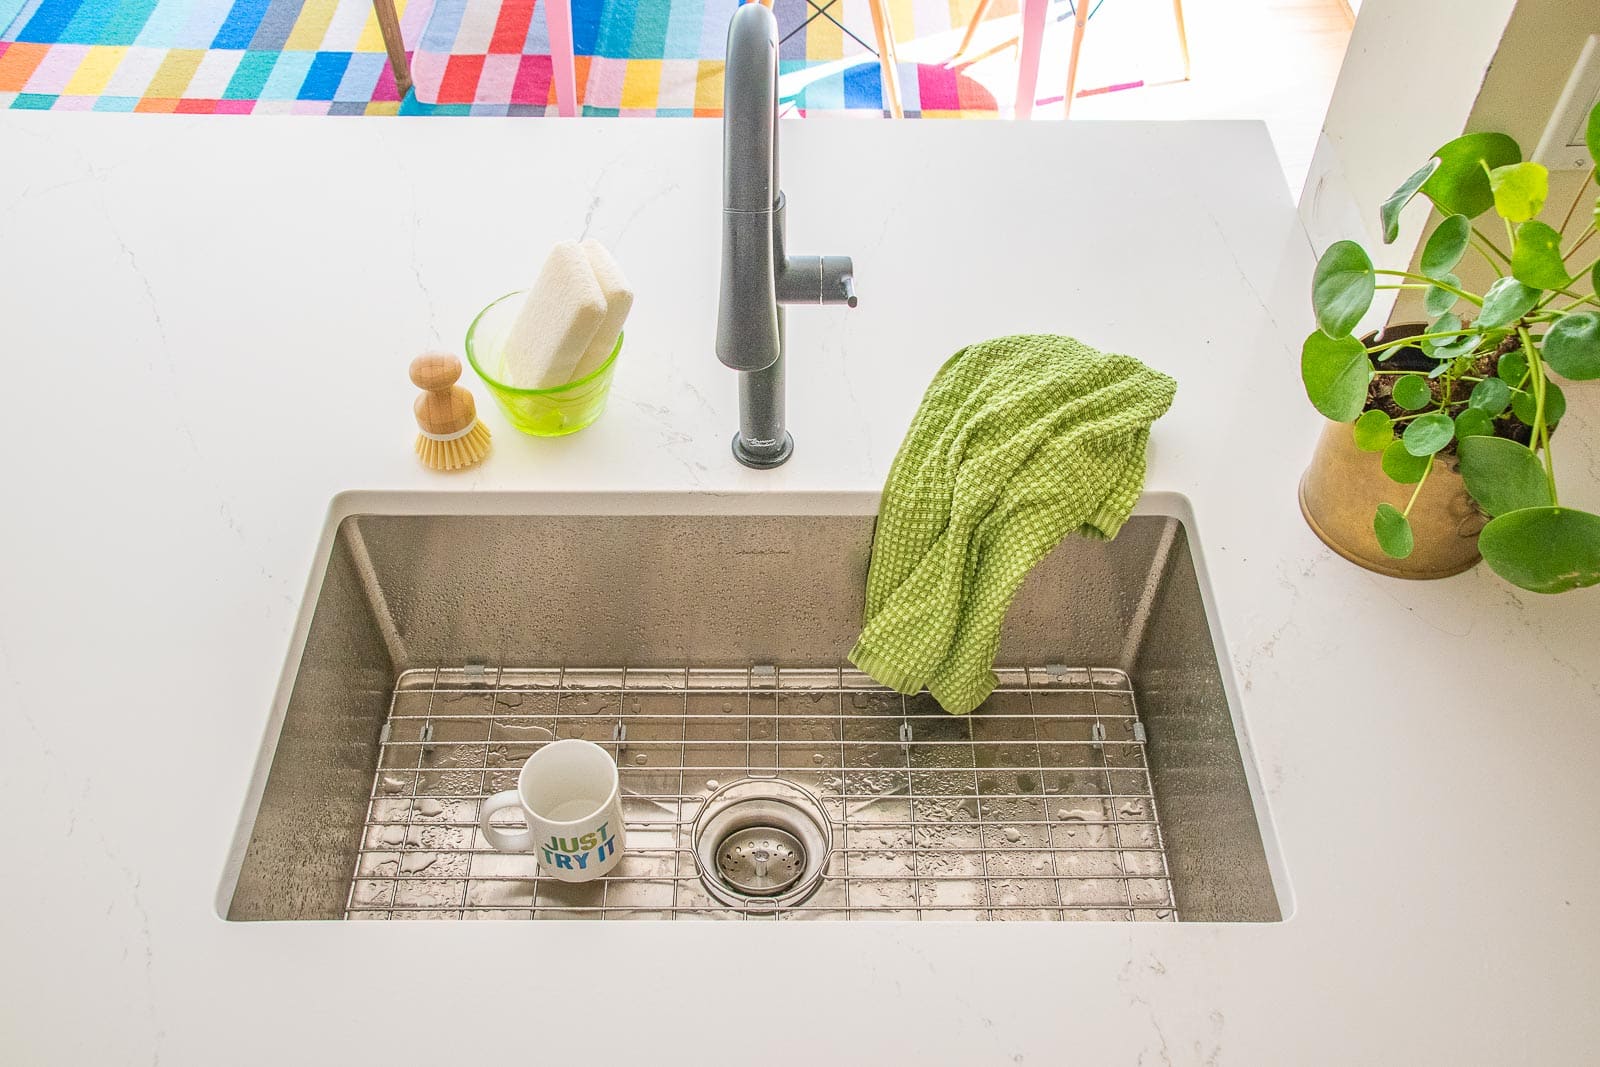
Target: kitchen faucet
{"x":758,"y":277}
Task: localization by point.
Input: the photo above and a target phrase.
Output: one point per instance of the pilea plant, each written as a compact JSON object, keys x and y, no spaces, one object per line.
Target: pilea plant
{"x":1478,"y":382}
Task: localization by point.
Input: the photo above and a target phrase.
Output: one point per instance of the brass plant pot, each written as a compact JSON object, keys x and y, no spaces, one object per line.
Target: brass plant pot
{"x":1343,"y":488}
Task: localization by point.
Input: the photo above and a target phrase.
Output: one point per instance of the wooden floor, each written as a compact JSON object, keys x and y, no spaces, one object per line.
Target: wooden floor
{"x":1275,"y":60}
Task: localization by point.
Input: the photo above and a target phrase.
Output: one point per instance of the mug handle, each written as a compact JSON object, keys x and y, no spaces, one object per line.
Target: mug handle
{"x":504,"y":840}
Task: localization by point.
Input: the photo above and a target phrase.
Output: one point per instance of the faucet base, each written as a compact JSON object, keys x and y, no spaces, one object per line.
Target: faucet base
{"x":763,"y":460}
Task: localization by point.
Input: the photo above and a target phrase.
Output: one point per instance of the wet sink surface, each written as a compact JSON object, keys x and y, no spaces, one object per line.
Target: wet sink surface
{"x":1102,"y":780}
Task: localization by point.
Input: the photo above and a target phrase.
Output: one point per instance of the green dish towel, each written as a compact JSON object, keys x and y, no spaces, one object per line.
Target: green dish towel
{"x":1019,"y":441}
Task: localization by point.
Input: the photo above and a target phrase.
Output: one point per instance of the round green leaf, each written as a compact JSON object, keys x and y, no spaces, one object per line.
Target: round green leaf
{"x":1342,"y":288}
{"x":1520,"y":190}
{"x":1401,"y":466}
{"x":1389,"y":212}
{"x":1428,"y":433}
{"x":1591,"y":134}
{"x":1546,"y":549}
{"x":1473,"y":422}
{"x":1502,"y":475}
{"x":1438,"y":301}
{"x":1394,"y":531}
{"x":1523,"y":405}
{"x":1446,"y":245}
{"x":1392,"y":351}
{"x":1336,"y":374}
{"x":1374,"y":430}
{"x":1536,"y":257}
{"x":1513,"y":367}
{"x":1459,"y":186}
{"x":1490,"y":396}
{"x":1506,"y":301}
{"x":1572,"y":347}
{"x":1411,"y":392}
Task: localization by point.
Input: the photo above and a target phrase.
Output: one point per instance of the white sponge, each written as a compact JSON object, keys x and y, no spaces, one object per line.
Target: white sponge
{"x":619,"y":301}
{"x":558,"y":321}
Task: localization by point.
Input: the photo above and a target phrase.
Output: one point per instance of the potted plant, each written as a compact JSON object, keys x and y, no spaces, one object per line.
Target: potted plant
{"x":1446,"y":448}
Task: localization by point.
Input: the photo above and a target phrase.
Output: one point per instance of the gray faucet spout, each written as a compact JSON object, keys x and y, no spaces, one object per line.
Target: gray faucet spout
{"x":758,"y":278}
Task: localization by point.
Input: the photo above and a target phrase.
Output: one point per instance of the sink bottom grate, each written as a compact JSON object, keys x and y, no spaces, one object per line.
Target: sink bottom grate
{"x":1037,"y":806}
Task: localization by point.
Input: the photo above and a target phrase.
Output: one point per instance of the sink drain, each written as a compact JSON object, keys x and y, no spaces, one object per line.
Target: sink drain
{"x":761,"y":860}
{"x":761,"y":844}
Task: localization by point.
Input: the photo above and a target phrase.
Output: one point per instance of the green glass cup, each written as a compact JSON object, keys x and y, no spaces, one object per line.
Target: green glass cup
{"x":553,"y":412}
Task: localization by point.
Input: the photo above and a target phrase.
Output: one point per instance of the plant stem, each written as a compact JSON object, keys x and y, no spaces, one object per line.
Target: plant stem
{"x":1404,"y":285}
{"x":1580,"y":242}
{"x":1480,"y":235}
{"x":1541,"y":432}
{"x":1423,"y":278}
{"x":1487,"y":258}
{"x":1576,"y":200}
{"x":1420,"y":337}
{"x":1418,"y":490}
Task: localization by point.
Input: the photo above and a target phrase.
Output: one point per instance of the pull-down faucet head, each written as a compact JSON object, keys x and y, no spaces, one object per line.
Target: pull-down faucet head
{"x":747,"y":311}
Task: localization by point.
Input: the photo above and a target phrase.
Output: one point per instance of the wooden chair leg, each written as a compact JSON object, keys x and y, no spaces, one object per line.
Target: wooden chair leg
{"x":887,"y":62}
{"x":1183,"y":35}
{"x":558,"y":22}
{"x":972,"y":28}
{"x":1079,"y":23}
{"x":394,"y":44}
{"x":1033,"y":16}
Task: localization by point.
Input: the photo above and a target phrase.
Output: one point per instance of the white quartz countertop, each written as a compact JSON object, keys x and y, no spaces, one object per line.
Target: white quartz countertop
{"x":204,"y":329}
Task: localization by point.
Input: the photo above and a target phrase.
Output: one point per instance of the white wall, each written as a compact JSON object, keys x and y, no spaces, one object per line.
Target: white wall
{"x":1409,"y":84}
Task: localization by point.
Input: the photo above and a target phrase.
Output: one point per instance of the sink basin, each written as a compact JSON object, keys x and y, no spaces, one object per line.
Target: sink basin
{"x":702,"y":640}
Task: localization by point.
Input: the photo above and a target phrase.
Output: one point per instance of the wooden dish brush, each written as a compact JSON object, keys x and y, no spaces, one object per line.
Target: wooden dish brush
{"x":452,"y":436}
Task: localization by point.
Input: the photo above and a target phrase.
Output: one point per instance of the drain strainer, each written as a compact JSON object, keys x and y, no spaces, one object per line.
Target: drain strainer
{"x":761,"y":860}
{"x":761,"y":844}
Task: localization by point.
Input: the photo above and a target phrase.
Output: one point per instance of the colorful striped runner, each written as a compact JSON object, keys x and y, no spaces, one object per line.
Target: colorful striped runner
{"x":326,"y":57}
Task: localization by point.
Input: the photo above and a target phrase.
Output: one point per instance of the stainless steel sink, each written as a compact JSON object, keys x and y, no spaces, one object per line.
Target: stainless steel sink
{"x":703,"y":641}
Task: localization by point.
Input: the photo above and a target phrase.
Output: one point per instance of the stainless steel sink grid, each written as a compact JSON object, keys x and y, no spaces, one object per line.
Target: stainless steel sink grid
{"x":1037,"y":806}
{"x":435,"y":652}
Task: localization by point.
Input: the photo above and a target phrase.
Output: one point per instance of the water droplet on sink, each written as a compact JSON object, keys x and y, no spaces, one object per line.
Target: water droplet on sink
{"x":429,"y":807}
{"x":394,"y":835}
{"x":1008,"y":901}
{"x":1132,"y":807}
{"x":1013,"y":834}
{"x":727,"y":705}
{"x":641,"y":759}
{"x":712,"y":783}
{"x":392,"y":785}
{"x":818,"y":757}
{"x":1038,"y":863}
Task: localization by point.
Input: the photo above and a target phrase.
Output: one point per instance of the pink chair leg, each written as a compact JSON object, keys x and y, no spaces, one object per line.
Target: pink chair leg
{"x":1033,"y":12}
{"x":558,"y":22}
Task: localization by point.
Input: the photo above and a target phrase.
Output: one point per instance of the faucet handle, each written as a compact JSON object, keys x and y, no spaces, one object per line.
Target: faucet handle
{"x":838,"y":280}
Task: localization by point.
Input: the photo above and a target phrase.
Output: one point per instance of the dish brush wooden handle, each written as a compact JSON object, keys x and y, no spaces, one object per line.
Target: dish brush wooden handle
{"x":444,"y":407}
{"x":452,"y":437}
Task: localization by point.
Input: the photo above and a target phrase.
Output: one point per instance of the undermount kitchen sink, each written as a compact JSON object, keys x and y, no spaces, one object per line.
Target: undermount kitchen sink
{"x":703,"y":641}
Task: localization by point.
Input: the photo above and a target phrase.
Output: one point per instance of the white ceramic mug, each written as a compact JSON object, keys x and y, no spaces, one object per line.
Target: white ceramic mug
{"x":571,"y":797}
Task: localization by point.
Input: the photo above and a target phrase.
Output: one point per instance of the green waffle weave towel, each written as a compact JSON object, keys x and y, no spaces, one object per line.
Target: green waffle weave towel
{"x":1019,"y":441}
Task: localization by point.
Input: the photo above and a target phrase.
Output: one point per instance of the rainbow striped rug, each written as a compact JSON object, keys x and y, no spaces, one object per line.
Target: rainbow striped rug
{"x":471,"y":57}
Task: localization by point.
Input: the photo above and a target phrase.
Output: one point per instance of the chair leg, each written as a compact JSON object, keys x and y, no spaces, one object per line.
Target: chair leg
{"x":972,"y":29}
{"x":1079,"y":23}
{"x":394,"y":44}
{"x":1033,"y":15}
{"x":558,"y":21}
{"x":1183,"y":35}
{"x":887,"y":62}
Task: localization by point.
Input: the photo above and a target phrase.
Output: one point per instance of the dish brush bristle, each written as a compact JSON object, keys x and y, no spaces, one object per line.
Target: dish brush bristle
{"x":457,"y":453}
